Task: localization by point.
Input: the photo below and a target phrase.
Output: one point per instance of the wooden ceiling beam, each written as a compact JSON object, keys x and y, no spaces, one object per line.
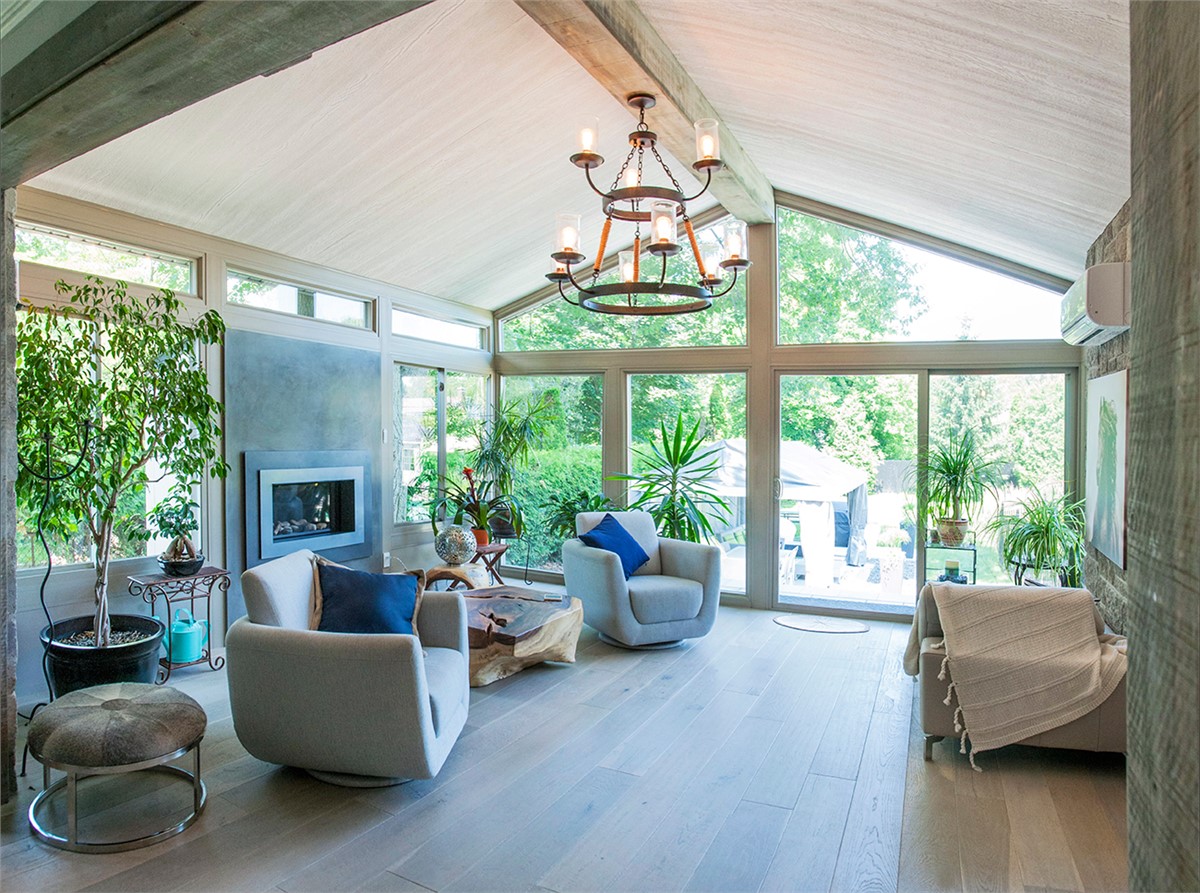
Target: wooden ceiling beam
{"x":617,"y":46}
{"x":86,"y":87}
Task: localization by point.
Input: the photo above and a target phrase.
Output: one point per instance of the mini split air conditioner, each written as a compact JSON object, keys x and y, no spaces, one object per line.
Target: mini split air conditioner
{"x":1096,"y":308}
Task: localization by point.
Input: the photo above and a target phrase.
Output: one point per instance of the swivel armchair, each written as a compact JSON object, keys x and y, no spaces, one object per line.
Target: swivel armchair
{"x":672,"y":597}
{"x":358,"y":710}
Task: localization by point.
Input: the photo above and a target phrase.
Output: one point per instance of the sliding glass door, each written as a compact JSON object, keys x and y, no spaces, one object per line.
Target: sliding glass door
{"x":846,"y":491}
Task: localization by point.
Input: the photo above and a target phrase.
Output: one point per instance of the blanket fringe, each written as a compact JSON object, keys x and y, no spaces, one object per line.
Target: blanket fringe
{"x":949,"y":694}
{"x":959,"y":718}
{"x":942,"y":671}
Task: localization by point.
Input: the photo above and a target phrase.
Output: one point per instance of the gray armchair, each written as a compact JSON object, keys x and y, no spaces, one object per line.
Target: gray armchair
{"x":672,"y":597}
{"x":358,"y":710}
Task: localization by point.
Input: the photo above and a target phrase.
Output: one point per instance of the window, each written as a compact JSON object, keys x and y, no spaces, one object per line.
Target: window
{"x":839,"y":284}
{"x":1019,"y":422}
{"x":413,"y":325}
{"x":295,"y":300}
{"x":557,"y":325}
{"x":430,"y":435}
{"x":718,"y":401}
{"x":567,"y":462}
{"x":84,"y":254}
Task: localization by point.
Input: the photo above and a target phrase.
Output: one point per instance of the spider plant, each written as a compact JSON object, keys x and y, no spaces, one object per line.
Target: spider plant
{"x":675,"y":486}
{"x":1045,"y":534}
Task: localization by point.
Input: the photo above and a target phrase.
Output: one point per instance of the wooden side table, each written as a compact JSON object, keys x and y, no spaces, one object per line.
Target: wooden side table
{"x":472,"y":576}
{"x":491,"y":555}
{"x":197,"y":587}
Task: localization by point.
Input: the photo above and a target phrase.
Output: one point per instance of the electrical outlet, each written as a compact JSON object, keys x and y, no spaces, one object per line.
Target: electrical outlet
{"x":387,"y":559}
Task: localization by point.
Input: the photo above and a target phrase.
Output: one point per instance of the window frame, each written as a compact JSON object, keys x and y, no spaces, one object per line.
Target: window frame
{"x":370,"y":303}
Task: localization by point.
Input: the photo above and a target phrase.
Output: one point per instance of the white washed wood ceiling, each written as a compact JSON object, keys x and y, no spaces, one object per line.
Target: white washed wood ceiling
{"x":431,"y":151}
{"x":1001,"y":124}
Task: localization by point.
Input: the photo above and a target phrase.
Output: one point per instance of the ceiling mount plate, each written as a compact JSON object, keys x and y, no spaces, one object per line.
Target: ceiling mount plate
{"x":641,"y":101}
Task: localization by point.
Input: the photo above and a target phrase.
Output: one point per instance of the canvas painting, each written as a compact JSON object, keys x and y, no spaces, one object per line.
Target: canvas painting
{"x":1104,"y":485}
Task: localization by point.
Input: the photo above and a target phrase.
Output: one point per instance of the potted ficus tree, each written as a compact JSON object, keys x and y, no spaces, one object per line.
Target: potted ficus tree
{"x":111,"y":395}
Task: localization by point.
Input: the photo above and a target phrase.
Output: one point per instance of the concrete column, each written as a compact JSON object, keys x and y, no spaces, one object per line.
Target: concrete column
{"x":1164,"y":449}
{"x":8,"y":505}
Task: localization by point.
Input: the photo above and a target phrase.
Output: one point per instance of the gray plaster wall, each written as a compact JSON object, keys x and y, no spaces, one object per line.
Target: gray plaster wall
{"x":1164,"y":450}
{"x":1108,"y":582}
{"x":287,"y":394}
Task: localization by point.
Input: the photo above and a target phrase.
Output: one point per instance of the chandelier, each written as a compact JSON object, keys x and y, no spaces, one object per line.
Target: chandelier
{"x":660,"y":209}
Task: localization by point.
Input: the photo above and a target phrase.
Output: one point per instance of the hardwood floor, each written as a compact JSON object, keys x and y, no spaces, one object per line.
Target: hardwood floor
{"x":758,"y":758}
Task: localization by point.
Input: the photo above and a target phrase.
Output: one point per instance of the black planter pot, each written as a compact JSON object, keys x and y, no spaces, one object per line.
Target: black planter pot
{"x":78,"y":666}
{"x":180,"y":567}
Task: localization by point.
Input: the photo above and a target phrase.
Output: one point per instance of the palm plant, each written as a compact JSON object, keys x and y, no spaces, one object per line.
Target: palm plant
{"x":1045,"y":534}
{"x":957,"y":479}
{"x":675,"y":488}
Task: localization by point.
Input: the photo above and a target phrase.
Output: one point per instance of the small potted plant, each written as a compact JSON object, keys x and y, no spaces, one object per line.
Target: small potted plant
{"x":957,"y":477}
{"x":175,"y":517}
{"x":472,"y":503}
{"x":1046,"y":534}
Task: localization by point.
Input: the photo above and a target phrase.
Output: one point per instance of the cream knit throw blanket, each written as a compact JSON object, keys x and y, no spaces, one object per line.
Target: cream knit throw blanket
{"x":1023,"y":660}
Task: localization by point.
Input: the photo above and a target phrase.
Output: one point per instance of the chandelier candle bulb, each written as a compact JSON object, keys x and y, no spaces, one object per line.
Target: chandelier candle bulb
{"x":567,"y":229}
{"x":708,"y":141}
{"x":735,"y":240}
{"x":631,"y":178}
{"x":589,"y":135}
{"x":626,"y":265}
{"x":712,"y":267}
{"x":662,"y":222}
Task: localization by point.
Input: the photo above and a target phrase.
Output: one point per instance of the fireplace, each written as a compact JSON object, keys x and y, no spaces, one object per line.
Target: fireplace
{"x":306,"y":500}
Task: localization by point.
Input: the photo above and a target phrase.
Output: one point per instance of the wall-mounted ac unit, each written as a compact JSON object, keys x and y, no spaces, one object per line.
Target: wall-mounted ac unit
{"x":1096,"y":308}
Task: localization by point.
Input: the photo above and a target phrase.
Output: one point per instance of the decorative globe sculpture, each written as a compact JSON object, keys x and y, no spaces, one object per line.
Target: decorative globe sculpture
{"x":454,"y":544}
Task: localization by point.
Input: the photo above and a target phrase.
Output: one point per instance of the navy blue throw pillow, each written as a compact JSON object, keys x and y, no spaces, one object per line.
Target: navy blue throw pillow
{"x":359,"y":602}
{"x":612,"y":537}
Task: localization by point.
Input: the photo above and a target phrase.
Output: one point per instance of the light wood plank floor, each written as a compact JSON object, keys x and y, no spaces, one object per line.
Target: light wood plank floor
{"x":758,"y":758}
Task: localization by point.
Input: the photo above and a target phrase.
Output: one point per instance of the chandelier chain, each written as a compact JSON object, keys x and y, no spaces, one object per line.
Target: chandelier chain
{"x":674,"y":182}
{"x":624,"y":167}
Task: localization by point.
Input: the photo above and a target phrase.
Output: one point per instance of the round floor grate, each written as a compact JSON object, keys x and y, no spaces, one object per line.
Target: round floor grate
{"x":814,"y":623}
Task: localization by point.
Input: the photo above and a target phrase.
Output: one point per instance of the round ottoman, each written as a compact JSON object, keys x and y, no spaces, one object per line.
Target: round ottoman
{"x":109,"y":730}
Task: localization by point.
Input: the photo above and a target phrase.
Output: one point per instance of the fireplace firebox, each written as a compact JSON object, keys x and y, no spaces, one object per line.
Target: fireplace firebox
{"x":313,"y":499}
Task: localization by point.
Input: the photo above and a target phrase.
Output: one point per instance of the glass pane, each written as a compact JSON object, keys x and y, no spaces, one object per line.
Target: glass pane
{"x":58,"y":248}
{"x":413,"y":325}
{"x":847,"y":497}
{"x":414,"y":442}
{"x":718,"y":402}
{"x":254,"y":291}
{"x":557,"y":325}
{"x":466,"y":408}
{"x":1019,"y":423}
{"x":838,"y":284}
{"x":565,"y":464}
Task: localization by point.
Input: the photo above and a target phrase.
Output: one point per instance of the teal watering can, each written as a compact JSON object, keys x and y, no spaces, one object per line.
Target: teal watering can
{"x":187,"y":638}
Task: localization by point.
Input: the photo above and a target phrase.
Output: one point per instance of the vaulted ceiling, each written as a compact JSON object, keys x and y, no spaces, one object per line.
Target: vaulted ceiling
{"x":431,"y":151}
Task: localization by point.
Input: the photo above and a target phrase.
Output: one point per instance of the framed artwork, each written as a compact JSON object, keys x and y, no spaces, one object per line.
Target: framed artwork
{"x":1104,"y":477}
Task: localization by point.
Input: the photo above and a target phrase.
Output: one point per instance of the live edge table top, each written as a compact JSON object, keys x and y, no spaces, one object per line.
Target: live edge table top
{"x":510,"y":628}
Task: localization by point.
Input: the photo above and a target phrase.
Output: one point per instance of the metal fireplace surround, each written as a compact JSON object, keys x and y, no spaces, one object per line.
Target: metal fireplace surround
{"x":311,"y":499}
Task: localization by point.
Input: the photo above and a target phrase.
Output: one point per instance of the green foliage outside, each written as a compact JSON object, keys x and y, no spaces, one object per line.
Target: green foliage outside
{"x":100,"y":260}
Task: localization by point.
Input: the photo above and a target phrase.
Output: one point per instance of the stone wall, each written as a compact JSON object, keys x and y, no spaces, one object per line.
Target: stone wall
{"x":1164,"y":450}
{"x":1105,"y":580}
{"x":8,"y":505}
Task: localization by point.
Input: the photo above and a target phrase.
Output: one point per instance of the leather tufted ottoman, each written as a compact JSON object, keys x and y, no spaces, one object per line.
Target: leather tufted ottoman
{"x":109,"y":730}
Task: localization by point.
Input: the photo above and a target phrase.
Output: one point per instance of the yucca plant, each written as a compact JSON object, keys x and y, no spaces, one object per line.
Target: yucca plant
{"x":675,"y":487}
{"x":1045,"y":534}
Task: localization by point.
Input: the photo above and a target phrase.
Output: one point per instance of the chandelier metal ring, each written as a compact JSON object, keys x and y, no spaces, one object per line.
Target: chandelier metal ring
{"x":664,"y":208}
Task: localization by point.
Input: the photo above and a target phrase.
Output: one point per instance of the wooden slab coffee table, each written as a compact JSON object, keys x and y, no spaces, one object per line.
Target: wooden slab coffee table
{"x":511,"y":628}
